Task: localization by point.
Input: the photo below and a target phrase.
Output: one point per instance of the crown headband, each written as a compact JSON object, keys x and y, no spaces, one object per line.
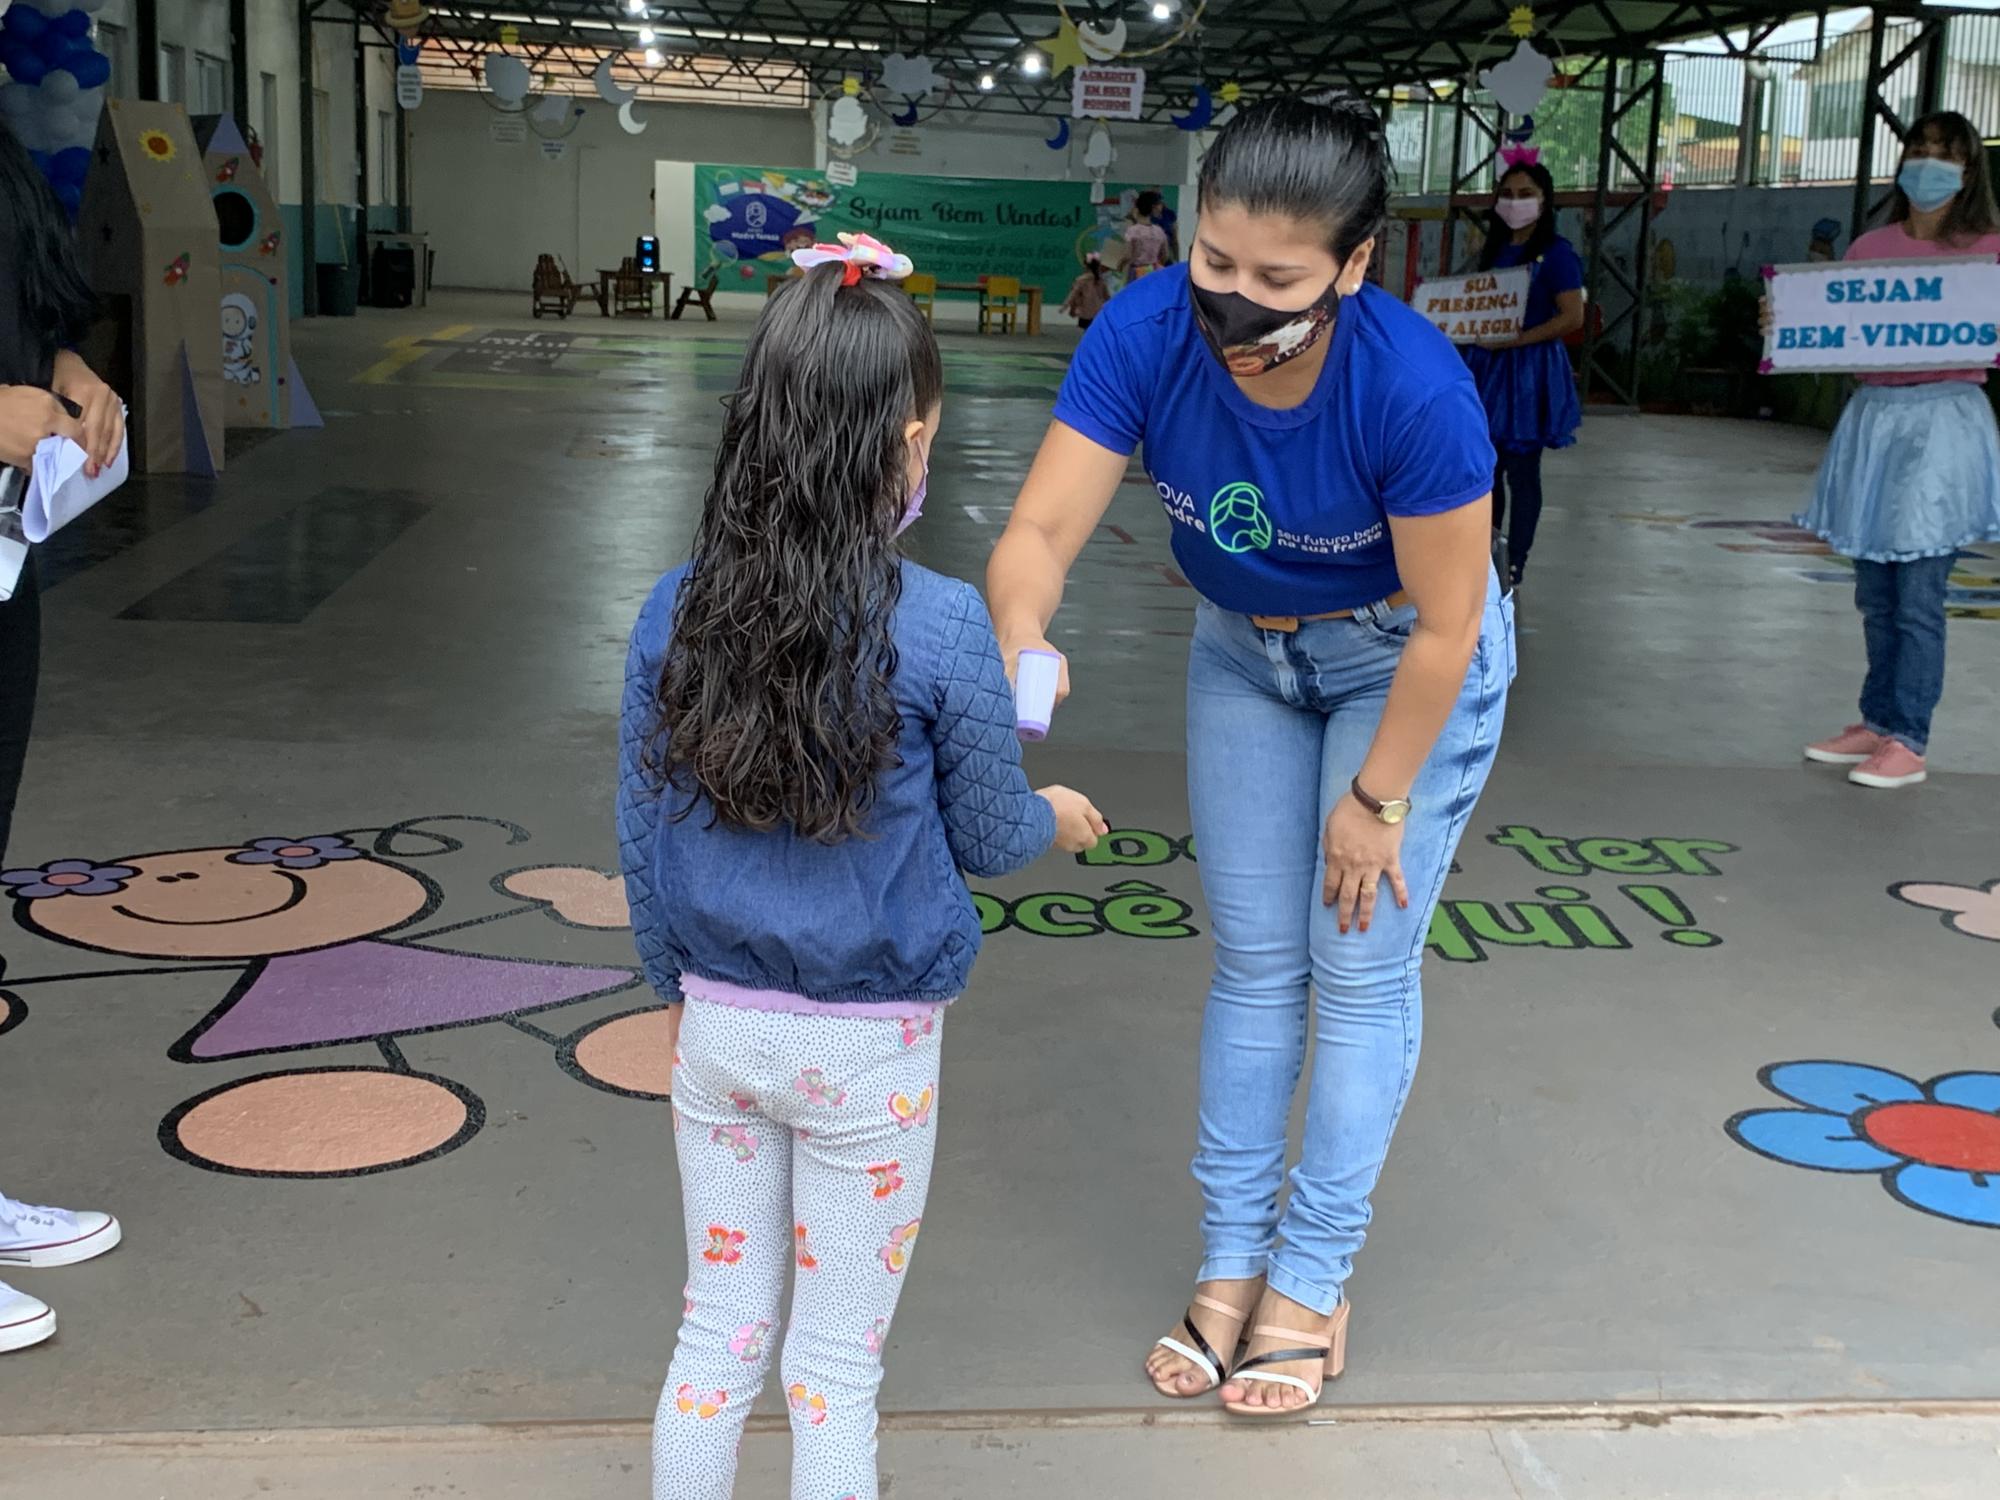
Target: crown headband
{"x":861,"y":254}
{"x":1520,"y":156}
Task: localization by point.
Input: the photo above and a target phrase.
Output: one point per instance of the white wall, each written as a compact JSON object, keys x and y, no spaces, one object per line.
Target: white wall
{"x":202,"y":27}
{"x":490,"y":209}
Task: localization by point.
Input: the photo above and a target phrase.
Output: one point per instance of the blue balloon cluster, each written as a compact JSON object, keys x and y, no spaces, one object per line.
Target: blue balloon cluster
{"x":55,"y":89}
{"x":34,"y":45}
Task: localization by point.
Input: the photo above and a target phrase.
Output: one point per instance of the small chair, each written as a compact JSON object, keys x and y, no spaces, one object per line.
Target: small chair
{"x":553,"y":291}
{"x":632,"y":290}
{"x":702,"y":296}
{"x":923,"y":291}
{"x":999,"y":303}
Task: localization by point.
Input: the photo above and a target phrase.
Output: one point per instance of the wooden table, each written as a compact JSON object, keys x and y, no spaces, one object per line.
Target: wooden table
{"x":1031,"y":296}
{"x":602,"y":290}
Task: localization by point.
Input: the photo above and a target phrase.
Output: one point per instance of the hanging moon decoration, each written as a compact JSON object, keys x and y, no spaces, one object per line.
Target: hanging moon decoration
{"x":1060,"y":139}
{"x":1199,"y":113}
{"x":1101,"y":46}
{"x":632,"y":126}
{"x":908,"y":116}
{"x":608,"y":91}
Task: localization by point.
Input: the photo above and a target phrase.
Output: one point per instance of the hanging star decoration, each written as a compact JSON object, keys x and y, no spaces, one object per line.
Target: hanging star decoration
{"x":1065,"y":49}
{"x":1521,"y":21}
{"x":1230,"y":92}
{"x":850,"y":86}
{"x":510,"y":35}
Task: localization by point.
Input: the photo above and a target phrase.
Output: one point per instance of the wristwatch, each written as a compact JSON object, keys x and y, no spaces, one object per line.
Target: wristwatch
{"x":1392,"y":812}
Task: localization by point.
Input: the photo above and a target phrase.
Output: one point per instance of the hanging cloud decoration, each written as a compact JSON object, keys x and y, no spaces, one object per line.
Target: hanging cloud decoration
{"x":1520,"y":82}
{"x":508,"y":77}
{"x":912,"y":77}
{"x":847,"y":123}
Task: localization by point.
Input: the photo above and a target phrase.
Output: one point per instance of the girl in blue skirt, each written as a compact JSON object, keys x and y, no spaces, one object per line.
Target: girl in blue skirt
{"x":1913,"y":471}
{"x":1527,"y":382}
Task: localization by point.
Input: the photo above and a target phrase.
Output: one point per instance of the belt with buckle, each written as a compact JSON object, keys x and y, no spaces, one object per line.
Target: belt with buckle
{"x":1289,"y":624}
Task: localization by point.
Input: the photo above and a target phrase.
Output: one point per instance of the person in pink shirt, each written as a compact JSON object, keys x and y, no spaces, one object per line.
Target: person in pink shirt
{"x":1913,"y":471}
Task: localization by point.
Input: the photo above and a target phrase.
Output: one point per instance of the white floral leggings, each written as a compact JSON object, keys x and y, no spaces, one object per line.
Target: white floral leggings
{"x":803,"y":1139}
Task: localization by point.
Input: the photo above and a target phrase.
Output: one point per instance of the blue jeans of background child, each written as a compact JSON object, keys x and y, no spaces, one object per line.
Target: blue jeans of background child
{"x":1278,"y":725}
{"x":1902,"y":615}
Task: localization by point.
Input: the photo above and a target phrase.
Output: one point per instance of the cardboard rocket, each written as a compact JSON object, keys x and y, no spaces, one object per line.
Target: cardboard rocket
{"x":148,"y":234}
{"x":261,"y":384}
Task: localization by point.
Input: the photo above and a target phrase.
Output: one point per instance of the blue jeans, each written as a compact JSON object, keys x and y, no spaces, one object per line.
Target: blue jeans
{"x":1902,"y":616}
{"x":1278,"y":725}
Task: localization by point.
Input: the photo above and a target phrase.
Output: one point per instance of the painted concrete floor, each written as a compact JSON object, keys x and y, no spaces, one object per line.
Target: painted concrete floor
{"x":408,"y":630}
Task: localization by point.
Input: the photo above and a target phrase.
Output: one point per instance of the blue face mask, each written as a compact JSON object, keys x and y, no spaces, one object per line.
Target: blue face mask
{"x":1930,"y":182}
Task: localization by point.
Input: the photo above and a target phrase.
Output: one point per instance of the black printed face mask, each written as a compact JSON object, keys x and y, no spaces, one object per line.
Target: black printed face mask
{"x":1250,"y":338}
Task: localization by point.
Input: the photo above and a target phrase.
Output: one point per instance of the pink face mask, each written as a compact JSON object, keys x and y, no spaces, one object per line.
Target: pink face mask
{"x":915,"y":507}
{"x":1518,"y":213}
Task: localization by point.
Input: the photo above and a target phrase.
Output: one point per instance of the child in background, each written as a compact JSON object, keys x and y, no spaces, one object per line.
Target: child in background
{"x":1913,"y":471}
{"x":817,"y":736}
{"x":1088,"y":293}
{"x":1146,"y":245}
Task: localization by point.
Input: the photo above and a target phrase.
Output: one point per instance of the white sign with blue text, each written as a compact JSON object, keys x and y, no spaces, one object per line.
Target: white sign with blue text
{"x":1866,"y":315}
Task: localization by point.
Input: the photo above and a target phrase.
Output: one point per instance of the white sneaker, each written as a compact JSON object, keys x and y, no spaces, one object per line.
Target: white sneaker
{"x":24,"y":1320}
{"x":45,"y":1237}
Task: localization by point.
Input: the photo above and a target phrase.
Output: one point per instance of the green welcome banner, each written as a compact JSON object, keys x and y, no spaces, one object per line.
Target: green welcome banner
{"x":750,"y":219}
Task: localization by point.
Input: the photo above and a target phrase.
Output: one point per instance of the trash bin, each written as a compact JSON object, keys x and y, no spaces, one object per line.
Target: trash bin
{"x":339,"y":289}
{"x":392,"y":276}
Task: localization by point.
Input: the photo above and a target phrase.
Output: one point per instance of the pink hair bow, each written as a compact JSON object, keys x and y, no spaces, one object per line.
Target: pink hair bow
{"x":1520,"y":156}
{"x":862,"y":254}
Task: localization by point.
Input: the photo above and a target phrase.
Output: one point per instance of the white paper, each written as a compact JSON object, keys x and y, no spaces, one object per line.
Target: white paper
{"x":58,"y":489}
{"x":1883,"y":315}
{"x":1108,"y":93}
{"x":1474,"y":309}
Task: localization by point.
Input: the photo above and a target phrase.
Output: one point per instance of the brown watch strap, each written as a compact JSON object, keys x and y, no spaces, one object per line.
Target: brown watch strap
{"x":1373,"y":805}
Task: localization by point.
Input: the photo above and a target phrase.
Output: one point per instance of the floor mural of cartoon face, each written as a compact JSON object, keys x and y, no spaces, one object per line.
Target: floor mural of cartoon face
{"x":321,"y":935}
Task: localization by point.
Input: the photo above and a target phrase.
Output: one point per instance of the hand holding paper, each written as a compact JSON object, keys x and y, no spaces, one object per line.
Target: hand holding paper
{"x":60,"y":489}
{"x":28,"y":414}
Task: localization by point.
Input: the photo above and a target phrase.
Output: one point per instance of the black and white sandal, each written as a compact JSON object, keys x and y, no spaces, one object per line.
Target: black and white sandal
{"x":1330,"y":1348}
{"x":1197,"y":1350}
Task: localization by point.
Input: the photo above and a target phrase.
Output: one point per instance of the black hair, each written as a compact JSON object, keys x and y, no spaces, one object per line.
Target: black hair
{"x":1972,"y":212}
{"x":1499,"y":234}
{"x":1094,"y":263}
{"x":56,"y":301}
{"x":774,"y":700}
{"x":1322,"y":163}
{"x":1148,"y":203}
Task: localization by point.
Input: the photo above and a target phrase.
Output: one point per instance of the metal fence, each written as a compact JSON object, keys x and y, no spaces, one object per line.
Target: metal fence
{"x":1790,"y":115}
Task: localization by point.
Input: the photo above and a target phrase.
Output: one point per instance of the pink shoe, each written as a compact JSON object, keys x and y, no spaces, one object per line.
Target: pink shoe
{"x":1894,"y":765}
{"x":1850,"y":747}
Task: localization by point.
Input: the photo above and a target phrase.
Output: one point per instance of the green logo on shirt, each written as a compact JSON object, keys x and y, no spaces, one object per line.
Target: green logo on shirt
{"x":1236,"y":518}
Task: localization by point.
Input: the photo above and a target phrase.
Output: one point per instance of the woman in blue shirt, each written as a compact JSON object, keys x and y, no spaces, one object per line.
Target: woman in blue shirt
{"x":1527,"y":383}
{"x":1321,"y":454}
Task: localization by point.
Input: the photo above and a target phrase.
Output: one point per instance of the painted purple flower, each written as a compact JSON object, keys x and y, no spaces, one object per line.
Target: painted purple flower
{"x":296,"y":854}
{"x":66,"y":877}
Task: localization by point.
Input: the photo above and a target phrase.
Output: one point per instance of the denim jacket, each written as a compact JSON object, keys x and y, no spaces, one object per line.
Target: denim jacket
{"x":880,"y":919}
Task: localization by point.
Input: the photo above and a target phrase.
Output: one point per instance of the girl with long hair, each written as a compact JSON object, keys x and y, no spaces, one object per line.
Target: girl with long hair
{"x":1527,"y":383}
{"x":1913,"y":471}
{"x":45,"y":391}
{"x":818,"y":736}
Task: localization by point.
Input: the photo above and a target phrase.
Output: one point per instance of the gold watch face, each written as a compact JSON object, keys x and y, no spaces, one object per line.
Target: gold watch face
{"x":1394,"y":812}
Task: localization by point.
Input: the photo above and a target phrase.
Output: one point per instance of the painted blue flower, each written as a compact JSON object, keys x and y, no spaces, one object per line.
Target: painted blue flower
{"x":1935,"y":1145}
{"x":66,"y":877}
{"x":296,"y":854}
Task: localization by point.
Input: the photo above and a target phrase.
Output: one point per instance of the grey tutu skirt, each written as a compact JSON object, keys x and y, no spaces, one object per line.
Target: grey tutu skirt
{"x":1912,"y":471}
